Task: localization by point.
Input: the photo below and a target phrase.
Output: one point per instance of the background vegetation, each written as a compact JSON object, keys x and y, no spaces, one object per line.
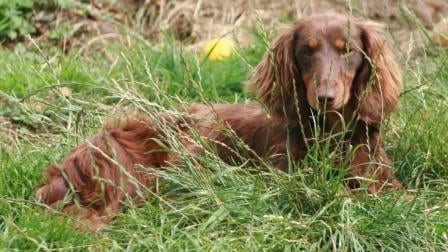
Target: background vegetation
{"x":61,"y":80}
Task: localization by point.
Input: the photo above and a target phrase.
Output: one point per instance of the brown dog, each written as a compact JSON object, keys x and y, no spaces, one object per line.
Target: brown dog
{"x":330,"y":69}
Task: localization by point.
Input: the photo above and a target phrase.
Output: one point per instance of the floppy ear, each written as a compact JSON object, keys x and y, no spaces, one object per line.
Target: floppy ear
{"x":276,"y":77}
{"x":379,"y":81}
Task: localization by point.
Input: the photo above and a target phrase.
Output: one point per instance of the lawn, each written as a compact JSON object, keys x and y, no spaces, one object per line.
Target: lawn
{"x":51,"y":101}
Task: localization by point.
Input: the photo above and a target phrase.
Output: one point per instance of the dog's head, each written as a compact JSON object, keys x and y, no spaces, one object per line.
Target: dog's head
{"x":323,"y":62}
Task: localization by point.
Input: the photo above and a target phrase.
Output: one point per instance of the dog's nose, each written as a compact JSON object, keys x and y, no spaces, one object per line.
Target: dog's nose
{"x":326,"y":97}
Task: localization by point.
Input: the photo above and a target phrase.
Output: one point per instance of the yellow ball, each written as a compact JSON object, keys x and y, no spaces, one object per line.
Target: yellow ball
{"x":218,"y":49}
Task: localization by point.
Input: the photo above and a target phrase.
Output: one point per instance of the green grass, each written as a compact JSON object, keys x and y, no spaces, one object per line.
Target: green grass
{"x":222,"y":207}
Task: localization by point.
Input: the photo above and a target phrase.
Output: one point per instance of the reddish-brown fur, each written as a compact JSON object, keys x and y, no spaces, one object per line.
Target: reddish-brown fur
{"x":333,"y":68}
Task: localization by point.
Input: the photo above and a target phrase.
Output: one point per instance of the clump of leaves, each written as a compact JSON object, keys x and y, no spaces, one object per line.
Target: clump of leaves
{"x":16,"y":15}
{"x":15,"y":18}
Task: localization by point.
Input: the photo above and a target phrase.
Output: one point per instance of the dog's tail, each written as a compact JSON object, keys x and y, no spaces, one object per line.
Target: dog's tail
{"x":99,"y":173}
{"x":55,"y":190}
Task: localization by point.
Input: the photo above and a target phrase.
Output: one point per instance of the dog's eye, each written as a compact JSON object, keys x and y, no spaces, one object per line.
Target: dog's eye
{"x":348,"y":50}
{"x":307,"y":51}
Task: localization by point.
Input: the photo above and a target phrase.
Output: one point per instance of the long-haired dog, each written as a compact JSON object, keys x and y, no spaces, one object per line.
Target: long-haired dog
{"x":331,"y":70}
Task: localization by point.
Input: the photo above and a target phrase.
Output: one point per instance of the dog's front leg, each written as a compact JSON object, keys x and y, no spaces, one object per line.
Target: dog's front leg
{"x":371,"y":166}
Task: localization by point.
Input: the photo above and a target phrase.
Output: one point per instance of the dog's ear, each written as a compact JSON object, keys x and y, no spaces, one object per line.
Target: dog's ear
{"x":379,"y":80}
{"x":274,"y":78}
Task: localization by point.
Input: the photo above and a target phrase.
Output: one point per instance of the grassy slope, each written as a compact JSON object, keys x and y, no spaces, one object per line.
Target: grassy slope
{"x":222,"y":207}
